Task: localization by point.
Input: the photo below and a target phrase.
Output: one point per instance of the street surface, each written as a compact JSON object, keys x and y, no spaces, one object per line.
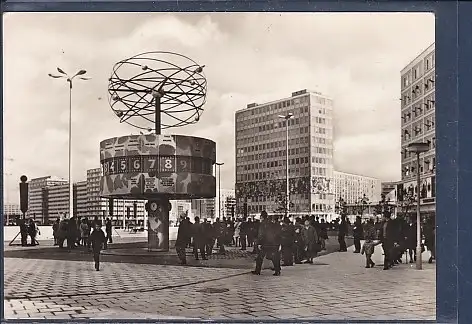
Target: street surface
{"x":336,"y":287}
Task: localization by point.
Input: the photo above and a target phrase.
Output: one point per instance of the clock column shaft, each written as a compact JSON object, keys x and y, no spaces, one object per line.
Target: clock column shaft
{"x":158,"y":224}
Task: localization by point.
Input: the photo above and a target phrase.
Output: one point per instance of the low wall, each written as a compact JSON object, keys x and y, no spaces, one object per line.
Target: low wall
{"x":9,"y":232}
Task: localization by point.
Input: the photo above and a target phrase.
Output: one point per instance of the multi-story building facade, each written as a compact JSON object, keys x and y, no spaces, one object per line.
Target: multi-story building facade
{"x":96,"y":204}
{"x":261,"y":156}
{"x":180,"y":208}
{"x":204,"y":208}
{"x":228,"y":201}
{"x":418,"y":125}
{"x":125,"y":213}
{"x":123,"y":210}
{"x":38,"y":197}
{"x":353,"y":187}
{"x":80,"y":199}
{"x":11,"y":212}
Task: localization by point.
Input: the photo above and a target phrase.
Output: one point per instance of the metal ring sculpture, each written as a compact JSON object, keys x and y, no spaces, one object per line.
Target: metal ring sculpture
{"x":169,"y":83}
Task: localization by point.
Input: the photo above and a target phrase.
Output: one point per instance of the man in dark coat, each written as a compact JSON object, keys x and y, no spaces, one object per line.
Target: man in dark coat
{"x":387,"y":238}
{"x":298,"y":239}
{"x":182,"y":239}
{"x":288,"y":241}
{"x":342,"y":232}
{"x":24,"y":232}
{"x":71,"y":233}
{"x":98,"y":239}
{"x":268,"y":240}
{"x":208,"y":237}
{"x":250,"y":232}
{"x":198,"y":233}
{"x":55,"y":231}
{"x":357,"y":232}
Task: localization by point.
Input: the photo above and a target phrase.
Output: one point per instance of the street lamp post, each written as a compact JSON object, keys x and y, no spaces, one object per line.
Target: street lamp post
{"x":219,"y":188}
{"x":287,"y":189}
{"x":418,"y":148}
{"x":69,"y":80}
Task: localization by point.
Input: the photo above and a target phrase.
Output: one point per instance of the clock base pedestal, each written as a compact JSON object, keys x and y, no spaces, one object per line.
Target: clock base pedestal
{"x":158,"y":224}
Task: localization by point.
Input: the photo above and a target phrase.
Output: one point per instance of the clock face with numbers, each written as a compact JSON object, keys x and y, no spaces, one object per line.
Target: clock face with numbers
{"x":153,"y":206}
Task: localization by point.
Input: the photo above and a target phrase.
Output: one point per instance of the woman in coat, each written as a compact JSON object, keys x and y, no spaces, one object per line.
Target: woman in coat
{"x":310,"y":238}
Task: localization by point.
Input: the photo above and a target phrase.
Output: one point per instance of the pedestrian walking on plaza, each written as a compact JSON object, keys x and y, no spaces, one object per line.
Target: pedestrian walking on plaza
{"x":182,"y":239}
{"x":199,"y":242}
{"x":368,"y":249}
{"x":255,"y":231}
{"x":357,"y":232}
{"x":342,"y":232}
{"x":323,"y":234}
{"x":299,"y":243}
{"x":237,"y":233}
{"x":32,"y":231}
{"x":71,"y":233}
{"x":84,"y":232}
{"x":55,"y":231}
{"x":288,"y":242}
{"x":387,"y":238}
{"x":250,"y":232}
{"x":243,"y":231}
{"x":208,"y":237}
{"x":268,"y":240}
{"x":98,"y":240}
{"x":311,"y":240}
{"x":430,"y":238}
{"x":411,"y":239}
{"x":109,"y":229}
{"x":23,"y":232}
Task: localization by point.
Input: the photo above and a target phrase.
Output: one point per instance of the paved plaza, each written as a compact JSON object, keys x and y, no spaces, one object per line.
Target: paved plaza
{"x":337,"y":286}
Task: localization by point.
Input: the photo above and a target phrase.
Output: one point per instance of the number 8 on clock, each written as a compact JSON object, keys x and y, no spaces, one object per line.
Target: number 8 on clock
{"x":167,"y":164}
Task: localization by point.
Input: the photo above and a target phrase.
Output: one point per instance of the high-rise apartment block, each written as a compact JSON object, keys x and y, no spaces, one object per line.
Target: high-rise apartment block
{"x":418,"y":125}
{"x":48,"y":199}
{"x":261,"y":155}
{"x":353,"y":187}
{"x":38,"y":197}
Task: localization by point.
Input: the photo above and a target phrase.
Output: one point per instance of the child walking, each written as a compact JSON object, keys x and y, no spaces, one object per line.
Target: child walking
{"x":368,"y":249}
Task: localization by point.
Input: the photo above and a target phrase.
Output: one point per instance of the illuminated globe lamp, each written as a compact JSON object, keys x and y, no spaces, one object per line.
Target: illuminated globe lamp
{"x":154,"y":91}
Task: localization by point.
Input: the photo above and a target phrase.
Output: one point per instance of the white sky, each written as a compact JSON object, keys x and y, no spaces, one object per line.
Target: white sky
{"x":250,"y":57}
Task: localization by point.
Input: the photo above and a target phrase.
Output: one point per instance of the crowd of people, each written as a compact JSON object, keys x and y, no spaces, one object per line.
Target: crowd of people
{"x":276,"y":238}
{"x":77,"y":232}
{"x":398,"y":237}
{"x":281,"y":240}
{"x":28,"y":228}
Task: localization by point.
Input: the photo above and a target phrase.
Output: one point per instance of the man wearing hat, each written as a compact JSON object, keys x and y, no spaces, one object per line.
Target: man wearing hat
{"x":387,"y":238}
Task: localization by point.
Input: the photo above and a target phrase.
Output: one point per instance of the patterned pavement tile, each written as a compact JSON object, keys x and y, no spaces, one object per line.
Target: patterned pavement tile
{"x":336,"y":287}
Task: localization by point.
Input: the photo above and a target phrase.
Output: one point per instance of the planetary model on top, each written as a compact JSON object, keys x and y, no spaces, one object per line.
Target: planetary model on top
{"x":154,"y":91}
{"x":152,"y":85}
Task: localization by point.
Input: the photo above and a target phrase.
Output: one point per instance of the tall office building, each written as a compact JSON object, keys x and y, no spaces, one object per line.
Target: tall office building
{"x":418,"y":125}
{"x":352,"y":187}
{"x":261,"y":156}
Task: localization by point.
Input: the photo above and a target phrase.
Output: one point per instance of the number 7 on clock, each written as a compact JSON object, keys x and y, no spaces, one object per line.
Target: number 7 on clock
{"x":150,"y":164}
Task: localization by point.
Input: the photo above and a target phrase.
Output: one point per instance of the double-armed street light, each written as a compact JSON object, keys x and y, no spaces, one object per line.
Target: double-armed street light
{"x":69,"y":79}
{"x":418,"y":148}
{"x":287,"y":192}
